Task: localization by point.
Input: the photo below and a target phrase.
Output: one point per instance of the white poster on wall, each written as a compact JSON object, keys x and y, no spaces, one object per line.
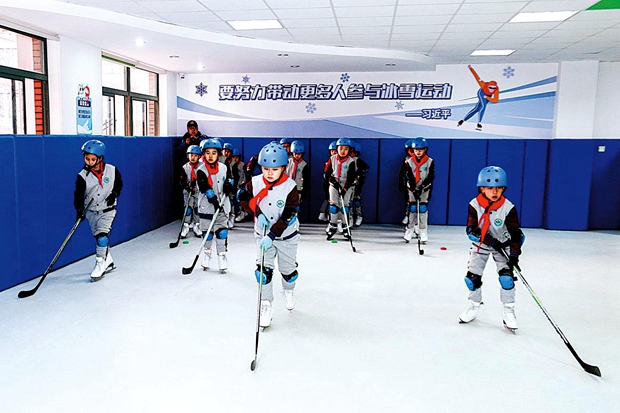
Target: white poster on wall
{"x":456,"y":101}
{"x":84,"y":111}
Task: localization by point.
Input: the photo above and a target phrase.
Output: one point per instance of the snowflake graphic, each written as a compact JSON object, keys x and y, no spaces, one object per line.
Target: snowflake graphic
{"x":344,"y":77}
{"x":509,"y":72}
{"x":201,"y":89}
{"x":311,"y":107}
{"x":399,"y":105}
{"x":245,"y":79}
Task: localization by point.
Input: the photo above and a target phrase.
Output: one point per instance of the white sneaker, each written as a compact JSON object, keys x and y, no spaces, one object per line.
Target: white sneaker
{"x":223,"y":262}
{"x":423,"y":236}
{"x":340,"y":227}
{"x":510,"y":320}
{"x":472,"y":312}
{"x":405,"y":220}
{"x":197,"y":230}
{"x":230,"y":223}
{"x":206,"y":257}
{"x":290,"y":299}
{"x":185,"y":230}
{"x":97,"y":272}
{"x":408,"y":234}
{"x":358,"y":221}
{"x":240,"y":217}
{"x":266,"y":313}
{"x":322,"y":216}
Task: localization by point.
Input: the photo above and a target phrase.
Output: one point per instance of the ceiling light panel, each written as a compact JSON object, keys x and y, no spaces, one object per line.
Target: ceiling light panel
{"x":483,"y":52}
{"x":554,"y":16}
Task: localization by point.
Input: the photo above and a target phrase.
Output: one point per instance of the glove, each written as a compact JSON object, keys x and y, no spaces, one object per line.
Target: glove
{"x":78,"y":213}
{"x":266,"y":243}
{"x":229,"y":185}
{"x":111,"y":199}
{"x":263,"y":222}
{"x":334,"y":182}
{"x":417,"y":193}
{"x":513,"y":262}
{"x":212,"y":198}
{"x":342,"y":192}
{"x":473,"y":234}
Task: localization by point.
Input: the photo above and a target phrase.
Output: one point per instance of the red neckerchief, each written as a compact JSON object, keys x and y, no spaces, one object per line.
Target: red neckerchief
{"x":193,"y":167}
{"x":213,"y":170}
{"x":484,"y":222}
{"x":340,"y":162}
{"x":254,"y":202}
{"x":419,"y":163}
{"x":99,"y":174}
{"x":295,"y":163}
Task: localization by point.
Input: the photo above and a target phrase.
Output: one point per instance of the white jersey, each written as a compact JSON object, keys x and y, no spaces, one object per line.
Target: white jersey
{"x":96,"y":191}
{"x":298,"y":173}
{"x":273,"y":204}
{"x":497,"y":228}
{"x":204,"y":206}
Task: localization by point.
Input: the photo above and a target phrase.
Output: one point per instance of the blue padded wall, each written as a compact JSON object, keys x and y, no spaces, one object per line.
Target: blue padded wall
{"x":604,"y":195}
{"x":38,"y":176}
{"x":440,"y":151}
{"x":534,"y":183}
{"x":569,"y":176}
{"x":509,"y":154}
{"x":390,"y":203}
{"x":469,"y":156}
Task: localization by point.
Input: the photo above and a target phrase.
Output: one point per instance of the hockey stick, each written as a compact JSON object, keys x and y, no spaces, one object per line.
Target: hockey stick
{"x":420,"y":250}
{"x":346,"y":221}
{"x":587,"y":367}
{"x":260,"y":297}
{"x":188,"y":270}
{"x":28,"y":293}
{"x":175,"y":244}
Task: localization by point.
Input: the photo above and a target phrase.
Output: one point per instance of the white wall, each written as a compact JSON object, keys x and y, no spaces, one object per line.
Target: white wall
{"x":170,"y":100}
{"x":607,"y":115}
{"x":576,"y":100}
{"x":79,"y":64}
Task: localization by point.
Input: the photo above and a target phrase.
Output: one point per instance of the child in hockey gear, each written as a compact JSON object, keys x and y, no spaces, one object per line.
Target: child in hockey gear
{"x":286,"y":144}
{"x":323,"y":213}
{"x":237,"y":166}
{"x":362,"y":169}
{"x":189,"y":181}
{"x":340,"y":172}
{"x":215,"y":183}
{"x":492,"y":226}
{"x":273,"y":198}
{"x":102,"y":183}
{"x":416,"y":176}
{"x":298,"y":169}
{"x":227,"y":152}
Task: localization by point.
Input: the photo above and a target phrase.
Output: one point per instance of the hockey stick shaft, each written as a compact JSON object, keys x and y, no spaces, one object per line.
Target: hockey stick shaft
{"x":188,"y":270}
{"x":260,"y":298}
{"x":346,"y":221}
{"x":28,"y":293}
{"x":176,"y":243}
{"x":587,"y":367}
{"x":420,"y":250}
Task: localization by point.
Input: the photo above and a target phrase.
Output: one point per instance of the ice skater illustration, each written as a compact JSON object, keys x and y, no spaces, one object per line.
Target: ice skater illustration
{"x":488,"y":92}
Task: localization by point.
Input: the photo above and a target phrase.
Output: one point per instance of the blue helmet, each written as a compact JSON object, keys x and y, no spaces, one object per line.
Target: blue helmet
{"x":228,"y":146}
{"x":344,"y":142}
{"x":332,"y":146}
{"x":357,"y":147}
{"x":236,"y":152}
{"x":298,"y":147}
{"x":273,"y":155}
{"x":286,"y":140}
{"x":195,"y":149}
{"x":492,"y":176}
{"x":409,"y":144}
{"x":211,"y":143}
{"x":419,"y":143}
{"x":94,"y":147}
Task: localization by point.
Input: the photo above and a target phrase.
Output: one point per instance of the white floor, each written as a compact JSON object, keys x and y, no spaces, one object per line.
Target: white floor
{"x":373,"y":331}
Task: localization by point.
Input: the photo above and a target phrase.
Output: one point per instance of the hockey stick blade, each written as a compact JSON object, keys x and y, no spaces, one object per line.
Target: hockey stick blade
{"x":253,"y":365}
{"x":173,"y":244}
{"x":28,"y":293}
{"x":189,"y":270}
{"x":588,"y":368}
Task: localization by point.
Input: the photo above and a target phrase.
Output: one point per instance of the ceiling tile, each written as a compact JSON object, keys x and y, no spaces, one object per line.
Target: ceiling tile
{"x":493,"y":7}
{"x":183,"y":17}
{"x":245,"y":15}
{"x":531,"y":34}
{"x":365,"y":21}
{"x":560,"y":5}
{"x":422,"y":20}
{"x":466,"y":28}
{"x":431,"y":28}
{"x":221,"y":5}
{"x":482,"y":18}
{"x":305,"y":13}
{"x":291,"y":23}
{"x":359,"y":3}
{"x":525,"y":27}
{"x":415,"y":36}
{"x":345,"y":30}
{"x":465,"y":35}
{"x":377,"y":11}
{"x":172,"y":6}
{"x":309,"y":31}
{"x":297,"y":4}
{"x":426,"y":9}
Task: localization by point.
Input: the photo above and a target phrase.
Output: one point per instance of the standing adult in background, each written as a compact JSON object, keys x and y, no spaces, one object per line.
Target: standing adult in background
{"x":191,"y":137}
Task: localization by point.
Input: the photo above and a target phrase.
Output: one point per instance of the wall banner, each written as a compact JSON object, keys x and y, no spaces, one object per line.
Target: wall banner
{"x":456,"y":101}
{"x":84,"y":111}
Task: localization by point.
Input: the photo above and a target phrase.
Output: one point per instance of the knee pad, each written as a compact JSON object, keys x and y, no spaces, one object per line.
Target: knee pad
{"x":473,"y":281}
{"x":423,"y":208}
{"x":209,"y":236}
{"x":344,"y":210}
{"x":189,"y":211}
{"x":102,"y":240}
{"x":267,"y":274}
{"x":506,"y":279}
{"x":292,"y":277}
{"x":357,"y":203}
{"x":221,"y":233}
{"x":413,"y":208}
{"x":333,"y":209}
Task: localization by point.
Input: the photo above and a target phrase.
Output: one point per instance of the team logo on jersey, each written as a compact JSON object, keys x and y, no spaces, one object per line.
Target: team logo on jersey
{"x":106,"y":180}
{"x":498,"y":222}
{"x":280,"y":203}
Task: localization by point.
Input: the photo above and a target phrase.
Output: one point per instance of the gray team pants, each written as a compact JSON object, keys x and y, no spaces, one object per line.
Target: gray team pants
{"x":286,"y":251}
{"x":334,"y":199}
{"x":219,"y":225}
{"x":101,"y":223}
{"x":192,"y":218}
{"x":477,"y":261}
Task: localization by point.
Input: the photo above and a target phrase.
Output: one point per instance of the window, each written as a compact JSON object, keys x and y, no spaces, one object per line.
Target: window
{"x":23,"y":84}
{"x":130,"y":100}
